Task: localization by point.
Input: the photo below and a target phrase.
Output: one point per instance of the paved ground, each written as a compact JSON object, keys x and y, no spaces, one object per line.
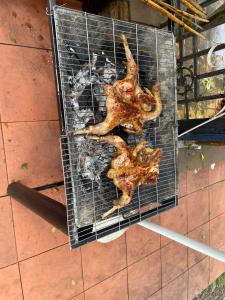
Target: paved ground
{"x":35,"y":260}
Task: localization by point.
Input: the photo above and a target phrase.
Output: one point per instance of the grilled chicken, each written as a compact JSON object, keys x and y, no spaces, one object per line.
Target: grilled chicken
{"x":125,"y":88}
{"x":126,"y":103}
{"x":130,"y":168}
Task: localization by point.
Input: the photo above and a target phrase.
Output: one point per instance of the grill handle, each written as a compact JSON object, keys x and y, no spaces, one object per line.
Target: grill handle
{"x":48,"y":209}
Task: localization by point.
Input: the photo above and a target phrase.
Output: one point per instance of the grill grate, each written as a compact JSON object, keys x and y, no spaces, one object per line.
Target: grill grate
{"x":88,"y":54}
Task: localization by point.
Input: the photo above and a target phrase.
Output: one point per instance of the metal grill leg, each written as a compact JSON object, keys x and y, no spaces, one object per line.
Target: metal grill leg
{"x":47,"y":208}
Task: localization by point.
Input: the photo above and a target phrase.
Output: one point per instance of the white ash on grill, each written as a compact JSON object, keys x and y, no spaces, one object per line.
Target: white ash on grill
{"x":91,"y":161}
{"x":86,"y":105}
{"x":85,"y":90}
{"x":87,"y":61}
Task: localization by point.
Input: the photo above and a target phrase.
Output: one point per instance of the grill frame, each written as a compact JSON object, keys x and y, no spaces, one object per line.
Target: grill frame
{"x":90,"y":232}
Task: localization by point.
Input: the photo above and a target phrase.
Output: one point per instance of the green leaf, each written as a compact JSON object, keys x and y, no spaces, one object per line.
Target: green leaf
{"x":202,"y":156}
{"x":208,"y":86}
{"x":13,"y":39}
{"x":24,"y":166}
{"x":213,"y":286}
{"x":222,"y":278}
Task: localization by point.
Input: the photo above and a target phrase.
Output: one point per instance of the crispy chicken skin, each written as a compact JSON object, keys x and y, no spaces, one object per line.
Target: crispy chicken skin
{"x":130,"y":168}
{"x":126,"y":103}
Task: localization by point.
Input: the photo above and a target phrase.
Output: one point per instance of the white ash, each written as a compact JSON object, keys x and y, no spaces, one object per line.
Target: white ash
{"x":107,"y":77}
{"x":93,"y":158}
{"x":109,"y":72}
{"x":82,"y":79}
{"x":87,"y":166}
{"x":94,"y":60}
{"x":71,"y":50}
{"x":79,"y":83}
{"x":83,"y":116}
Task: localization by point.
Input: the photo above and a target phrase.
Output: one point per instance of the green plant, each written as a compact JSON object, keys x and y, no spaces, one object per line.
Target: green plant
{"x":24,"y":166}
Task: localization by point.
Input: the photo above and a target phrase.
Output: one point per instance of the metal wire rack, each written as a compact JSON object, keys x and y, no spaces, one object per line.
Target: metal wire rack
{"x":88,"y":54}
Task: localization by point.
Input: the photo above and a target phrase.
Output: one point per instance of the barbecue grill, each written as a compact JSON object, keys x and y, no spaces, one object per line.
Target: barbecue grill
{"x":88,"y":54}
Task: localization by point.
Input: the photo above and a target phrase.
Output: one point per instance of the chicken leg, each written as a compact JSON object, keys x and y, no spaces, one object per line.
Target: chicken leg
{"x":125,"y":88}
{"x":130,"y":168}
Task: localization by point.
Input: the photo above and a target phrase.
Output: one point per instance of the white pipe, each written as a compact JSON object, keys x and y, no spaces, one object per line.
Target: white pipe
{"x":200,"y":247}
{"x":217,"y":116}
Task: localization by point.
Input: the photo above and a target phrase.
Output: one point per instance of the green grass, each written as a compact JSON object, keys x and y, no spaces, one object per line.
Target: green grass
{"x":215,"y":291}
{"x":221,"y":279}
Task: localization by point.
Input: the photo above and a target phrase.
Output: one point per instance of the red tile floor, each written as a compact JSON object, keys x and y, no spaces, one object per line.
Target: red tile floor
{"x":35,"y":259}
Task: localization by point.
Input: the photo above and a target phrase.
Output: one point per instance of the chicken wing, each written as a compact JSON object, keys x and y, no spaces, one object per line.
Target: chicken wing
{"x":130,"y":168}
{"x":126,"y":103}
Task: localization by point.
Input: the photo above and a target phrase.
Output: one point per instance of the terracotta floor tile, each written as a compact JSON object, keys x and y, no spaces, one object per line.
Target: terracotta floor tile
{"x":79,"y":297}
{"x":217,"y":236}
{"x":24,"y":23}
{"x":10,"y":286}
{"x":217,"y":173}
{"x":113,"y":288}
{"x":198,"y":278}
{"x":197,"y":180}
{"x":155,"y":219}
{"x":200,"y":234}
{"x":198,"y":208}
{"x":174,"y":261}
{"x":56,"y":193}
{"x":33,"y":234}
{"x":174,"y":219}
{"x":33,"y":152}
{"x":3,"y":172}
{"x":182,"y":184}
{"x":101,"y":261}
{"x":33,"y":96}
{"x":217,"y":199}
{"x":156,"y":296}
{"x":140,"y":242}
{"x":216,"y":267}
{"x":144,"y":277}
{"x":8,"y":254}
{"x":55,"y":274}
{"x":177,"y":289}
